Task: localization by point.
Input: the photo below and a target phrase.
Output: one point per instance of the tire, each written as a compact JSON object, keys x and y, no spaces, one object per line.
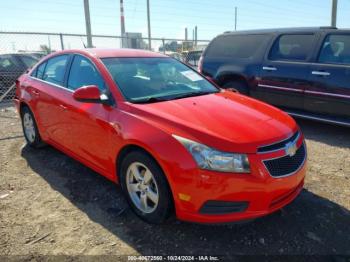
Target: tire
{"x":137,"y":185}
{"x":30,"y":128}
{"x":240,"y":86}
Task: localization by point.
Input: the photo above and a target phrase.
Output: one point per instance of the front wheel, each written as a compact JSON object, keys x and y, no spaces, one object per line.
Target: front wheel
{"x":30,"y":128}
{"x":145,"y":187}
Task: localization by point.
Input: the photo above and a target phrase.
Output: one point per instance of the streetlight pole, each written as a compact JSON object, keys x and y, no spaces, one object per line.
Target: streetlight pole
{"x":235,"y":18}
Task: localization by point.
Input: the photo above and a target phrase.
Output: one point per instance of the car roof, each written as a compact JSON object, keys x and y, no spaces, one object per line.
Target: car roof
{"x":288,"y":30}
{"x":114,"y":52}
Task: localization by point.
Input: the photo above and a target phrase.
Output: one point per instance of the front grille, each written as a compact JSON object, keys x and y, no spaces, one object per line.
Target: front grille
{"x":278,"y":145}
{"x":286,"y":165}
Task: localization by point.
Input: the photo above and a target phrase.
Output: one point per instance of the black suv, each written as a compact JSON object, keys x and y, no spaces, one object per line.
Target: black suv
{"x":304,"y":71}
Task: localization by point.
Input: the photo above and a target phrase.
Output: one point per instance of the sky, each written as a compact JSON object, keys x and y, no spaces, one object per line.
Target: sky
{"x":169,"y":18}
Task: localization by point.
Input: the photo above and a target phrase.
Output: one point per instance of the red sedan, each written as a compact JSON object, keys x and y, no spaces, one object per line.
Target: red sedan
{"x":173,"y":140}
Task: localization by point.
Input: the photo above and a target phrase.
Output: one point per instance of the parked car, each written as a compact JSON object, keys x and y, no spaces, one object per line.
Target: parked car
{"x":37,"y":55}
{"x":172,"y":139}
{"x":192,"y":57}
{"x":304,"y":71}
{"x":11,"y":67}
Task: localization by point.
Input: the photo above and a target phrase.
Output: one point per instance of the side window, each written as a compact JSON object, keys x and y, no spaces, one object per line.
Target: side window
{"x":55,"y":69}
{"x":10,"y":63}
{"x":39,"y":71}
{"x":237,"y":46}
{"x":83,"y":73}
{"x":335,"y":50}
{"x":292,"y":47}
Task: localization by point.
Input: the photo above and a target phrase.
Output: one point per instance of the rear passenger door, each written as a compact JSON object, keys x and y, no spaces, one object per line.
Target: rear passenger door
{"x":48,"y":90}
{"x":285,"y":70}
{"x":330,"y":76}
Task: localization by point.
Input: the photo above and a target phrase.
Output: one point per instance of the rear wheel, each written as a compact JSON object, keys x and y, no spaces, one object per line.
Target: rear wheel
{"x":240,"y":86}
{"x":30,"y":128}
{"x":145,"y":187}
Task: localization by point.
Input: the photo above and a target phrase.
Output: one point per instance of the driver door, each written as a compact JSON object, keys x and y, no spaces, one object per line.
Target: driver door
{"x":89,"y":122}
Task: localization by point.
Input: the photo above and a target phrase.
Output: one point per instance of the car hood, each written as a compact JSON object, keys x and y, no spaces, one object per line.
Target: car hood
{"x":225,"y":121}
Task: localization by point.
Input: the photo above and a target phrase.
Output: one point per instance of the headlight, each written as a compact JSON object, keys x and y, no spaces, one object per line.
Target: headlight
{"x":209,"y":158}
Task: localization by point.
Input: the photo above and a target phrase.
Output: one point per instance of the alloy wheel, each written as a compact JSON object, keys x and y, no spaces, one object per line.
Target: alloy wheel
{"x":29,"y":128}
{"x":142,"y":187}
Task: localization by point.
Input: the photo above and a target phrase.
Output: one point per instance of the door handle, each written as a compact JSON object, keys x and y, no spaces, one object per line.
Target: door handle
{"x":320,"y":73}
{"x":63,"y":107}
{"x":269,"y":68}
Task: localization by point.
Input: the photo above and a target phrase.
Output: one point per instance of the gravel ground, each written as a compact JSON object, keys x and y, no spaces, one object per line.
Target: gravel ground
{"x":51,"y":204}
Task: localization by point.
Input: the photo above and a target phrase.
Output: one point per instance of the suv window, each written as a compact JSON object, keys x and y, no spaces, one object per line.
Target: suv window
{"x":236,"y":46}
{"x":28,"y":61}
{"x":83,"y":73}
{"x":292,"y":47}
{"x":55,"y":69}
{"x":335,"y":49}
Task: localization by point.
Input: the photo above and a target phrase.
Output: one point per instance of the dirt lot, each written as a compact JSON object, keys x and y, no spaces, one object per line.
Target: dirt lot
{"x":51,"y":204}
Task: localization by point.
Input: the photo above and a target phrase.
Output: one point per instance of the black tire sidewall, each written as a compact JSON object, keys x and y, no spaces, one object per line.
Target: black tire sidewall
{"x":37,"y":141}
{"x":163,"y":209}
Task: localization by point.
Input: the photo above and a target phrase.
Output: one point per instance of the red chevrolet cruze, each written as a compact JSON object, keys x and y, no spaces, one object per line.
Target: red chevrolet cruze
{"x":171,"y":138}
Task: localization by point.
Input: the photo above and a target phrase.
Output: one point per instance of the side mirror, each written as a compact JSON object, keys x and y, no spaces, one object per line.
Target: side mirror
{"x":89,"y":94}
{"x":92,"y":94}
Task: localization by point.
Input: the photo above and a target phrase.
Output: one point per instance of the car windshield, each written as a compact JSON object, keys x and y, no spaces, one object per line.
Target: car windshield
{"x":149,"y":80}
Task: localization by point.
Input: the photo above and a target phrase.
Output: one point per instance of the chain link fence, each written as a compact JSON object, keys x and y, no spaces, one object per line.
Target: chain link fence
{"x":21,"y":50}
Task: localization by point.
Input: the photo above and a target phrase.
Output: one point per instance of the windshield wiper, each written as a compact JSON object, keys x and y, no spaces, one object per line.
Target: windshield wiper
{"x":191,"y":94}
{"x":150,"y":100}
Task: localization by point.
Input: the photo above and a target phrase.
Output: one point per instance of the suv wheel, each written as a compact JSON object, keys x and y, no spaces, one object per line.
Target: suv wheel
{"x":240,"y":86}
{"x":145,"y":187}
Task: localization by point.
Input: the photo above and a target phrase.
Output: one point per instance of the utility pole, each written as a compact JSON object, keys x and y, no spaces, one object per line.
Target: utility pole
{"x":195,"y":35}
{"x":149,"y":26}
{"x":334,"y":12}
{"x":88,"y":23}
{"x":122,"y":25}
{"x":235,"y":18}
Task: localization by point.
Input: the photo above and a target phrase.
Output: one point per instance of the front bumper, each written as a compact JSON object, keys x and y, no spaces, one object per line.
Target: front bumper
{"x":246,"y":196}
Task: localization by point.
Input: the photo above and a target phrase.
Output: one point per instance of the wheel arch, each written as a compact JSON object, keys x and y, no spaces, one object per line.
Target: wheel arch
{"x":23,"y":104}
{"x":224,"y":78}
{"x":128,"y":148}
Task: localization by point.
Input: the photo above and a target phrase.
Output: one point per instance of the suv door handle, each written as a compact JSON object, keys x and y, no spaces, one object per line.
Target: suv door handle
{"x":320,"y":73}
{"x":269,"y":68}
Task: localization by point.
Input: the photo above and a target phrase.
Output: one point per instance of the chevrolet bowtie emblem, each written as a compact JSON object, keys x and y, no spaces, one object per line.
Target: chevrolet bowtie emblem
{"x":291,"y":148}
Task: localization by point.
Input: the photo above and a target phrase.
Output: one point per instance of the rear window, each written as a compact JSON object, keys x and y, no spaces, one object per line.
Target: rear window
{"x":335,"y":50}
{"x":9,"y":62}
{"x":236,"y":46}
{"x":292,"y":47}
